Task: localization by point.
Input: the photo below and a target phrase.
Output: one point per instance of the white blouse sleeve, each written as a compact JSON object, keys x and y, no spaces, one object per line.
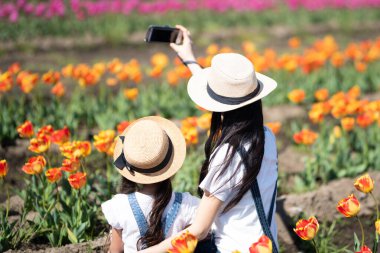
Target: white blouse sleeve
{"x":111,"y":210}
{"x":221,"y":185}
{"x":191,"y":205}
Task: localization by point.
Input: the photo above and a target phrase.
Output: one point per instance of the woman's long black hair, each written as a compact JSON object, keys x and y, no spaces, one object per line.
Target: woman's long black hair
{"x":155,"y":233}
{"x":237,"y":127}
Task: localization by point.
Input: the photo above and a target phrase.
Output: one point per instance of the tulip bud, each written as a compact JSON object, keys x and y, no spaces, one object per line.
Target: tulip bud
{"x":349,"y":206}
{"x":3,"y":168}
{"x":364,"y":249}
{"x":364,"y":183}
{"x":377,"y":225}
{"x":307,"y":229}
{"x":263,"y":245}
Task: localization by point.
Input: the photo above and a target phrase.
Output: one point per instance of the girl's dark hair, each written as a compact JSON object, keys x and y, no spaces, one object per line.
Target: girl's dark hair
{"x":237,"y":127}
{"x":155,"y":233}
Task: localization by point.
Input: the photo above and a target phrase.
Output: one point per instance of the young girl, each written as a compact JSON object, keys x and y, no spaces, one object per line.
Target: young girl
{"x":238,"y":179}
{"x":147,"y":154}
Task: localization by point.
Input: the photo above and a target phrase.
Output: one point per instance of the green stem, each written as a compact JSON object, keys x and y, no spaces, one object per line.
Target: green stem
{"x":83,"y":165}
{"x":361,"y":227}
{"x":315,"y":246}
{"x":57,"y":200}
{"x":377,"y":206}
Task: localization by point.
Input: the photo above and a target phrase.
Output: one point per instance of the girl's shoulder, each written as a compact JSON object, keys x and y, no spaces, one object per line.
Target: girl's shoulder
{"x":188,"y":199}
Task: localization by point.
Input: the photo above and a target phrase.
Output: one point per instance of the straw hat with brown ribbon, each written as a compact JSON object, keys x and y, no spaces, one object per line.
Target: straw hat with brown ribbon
{"x":150,"y":150}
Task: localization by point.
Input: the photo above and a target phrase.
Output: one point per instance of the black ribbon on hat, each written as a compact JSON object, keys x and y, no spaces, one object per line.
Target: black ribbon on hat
{"x":233,"y":100}
{"x":122,"y":163}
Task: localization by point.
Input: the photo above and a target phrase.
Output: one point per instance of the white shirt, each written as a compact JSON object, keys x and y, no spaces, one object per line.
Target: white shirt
{"x":238,"y":228}
{"x":119,"y":215}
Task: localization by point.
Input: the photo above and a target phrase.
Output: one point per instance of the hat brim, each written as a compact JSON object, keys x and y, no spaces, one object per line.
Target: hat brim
{"x":175,"y":163}
{"x":197,"y":90}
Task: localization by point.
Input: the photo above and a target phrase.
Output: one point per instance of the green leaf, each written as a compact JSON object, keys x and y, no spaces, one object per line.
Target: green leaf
{"x":71,"y":235}
{"x":357,"y":243}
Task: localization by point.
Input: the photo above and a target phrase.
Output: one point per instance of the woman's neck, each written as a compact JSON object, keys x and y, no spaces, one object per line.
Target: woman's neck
{"x":149,"y":189}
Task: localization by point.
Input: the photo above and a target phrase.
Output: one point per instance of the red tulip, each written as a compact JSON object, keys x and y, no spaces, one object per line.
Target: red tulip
{"x":349,"y":206}
{"x":307,"y":229}
{"x":26,"y":129}
{"x":3,"y":168}
{"x":364,"y":249}
{"x":263,"y":245}
{"x":77,"y":180}
{"x":53,"y":175}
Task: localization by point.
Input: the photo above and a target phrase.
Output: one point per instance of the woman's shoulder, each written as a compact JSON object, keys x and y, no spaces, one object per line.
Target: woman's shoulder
{"x":189,"y":199}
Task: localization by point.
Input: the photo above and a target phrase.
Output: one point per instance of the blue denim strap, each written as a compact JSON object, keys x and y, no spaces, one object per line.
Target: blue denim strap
{"x":138,"y":214}
{"x":172,"y":213}
{"x":264,"y":220}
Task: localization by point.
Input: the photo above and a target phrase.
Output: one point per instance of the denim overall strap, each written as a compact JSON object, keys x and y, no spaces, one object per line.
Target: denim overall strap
{"x":264,"y":220}
{"x":138,"y":214}
{"x":273,"y":201}
{"x":172,"y":213}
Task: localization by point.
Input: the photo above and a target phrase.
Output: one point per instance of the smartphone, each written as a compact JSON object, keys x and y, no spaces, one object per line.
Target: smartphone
{"x":165,"y":34}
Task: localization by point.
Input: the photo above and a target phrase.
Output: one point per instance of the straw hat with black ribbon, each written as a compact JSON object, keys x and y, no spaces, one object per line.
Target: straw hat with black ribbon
{"x":150,"y":150}
{"x":230,"y":83}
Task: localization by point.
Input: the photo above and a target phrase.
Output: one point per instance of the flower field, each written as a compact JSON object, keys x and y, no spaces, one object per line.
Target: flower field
{"x":58,"y":123}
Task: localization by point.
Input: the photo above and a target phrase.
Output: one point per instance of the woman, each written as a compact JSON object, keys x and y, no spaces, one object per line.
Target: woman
{"x":238,"y":179}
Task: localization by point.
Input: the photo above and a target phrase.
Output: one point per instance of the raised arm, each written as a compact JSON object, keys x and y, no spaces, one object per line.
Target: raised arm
{"x":206,"y":213}
{"x":185,"y":50}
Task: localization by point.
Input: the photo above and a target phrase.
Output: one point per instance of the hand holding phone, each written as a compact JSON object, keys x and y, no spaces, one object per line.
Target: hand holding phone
{"x":164,"y":34}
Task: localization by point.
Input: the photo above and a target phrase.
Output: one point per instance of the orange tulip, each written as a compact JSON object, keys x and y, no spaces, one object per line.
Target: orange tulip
{"x":377,"y":226}
{"x":35,"y":165}
{"x":26,"y":129}
{"x":189,"y":122}
{"x":115,"y":66}
{"x":51,"y":77}
{"x":274,"y":126}
{"x":307,"y":229}
{"x":296,"y":96}
{"x":122,"y":126}
{"x":14,"y":68}
{"x":6,"y":82}
{"x":112,"y":81}
{"x":321,"y":94}
{"x":294,"y":42}
{"x":156,"y":72}
{"x":337,"y":59}
{"x":354,"y":92}
{"x":212,"y":49}
{"x":67,"y":71}
{"x":185,"y":243}
{"x":53,"y":174}
{"x":131,"y":94}
{"x":263,"y":245}
{"x":60,"y":136}
{"x":364,"y":120}
{"x":104,"y":140}
{"x":58,"y":90}
{"x":190,"y":134}
{"x":160,"y":60}
{"x":204,"y":121}
{"x":360,"y":66}
{"x":248,"y":47}
{"x":76,"y":149}
{"x":364,"y":249}
{"x":347,"y":123}
{"x":364,"y":183}
{"x":70,"y":165}
{"x":316,"y":115}
{"x":39,"y":144}
{"x":306,"y":137}
{"x":172,"y":78}
{"x":77,"y":180}
{"x":349,"y":206}
{"x":3,"y":168}
{"x":45,"y":131}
